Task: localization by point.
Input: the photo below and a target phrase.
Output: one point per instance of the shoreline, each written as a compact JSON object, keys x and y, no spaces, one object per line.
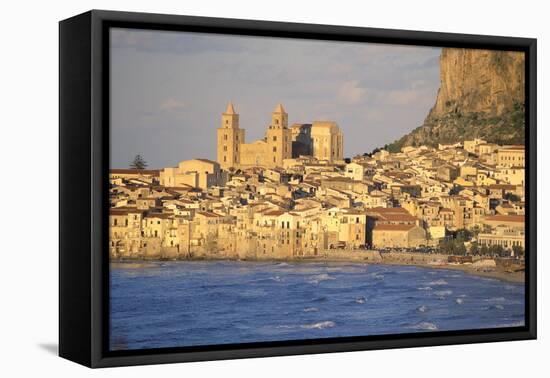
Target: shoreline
{"x":494,"y":273}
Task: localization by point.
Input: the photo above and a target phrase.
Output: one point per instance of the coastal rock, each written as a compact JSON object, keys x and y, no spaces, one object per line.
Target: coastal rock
{"x":482,"y":94}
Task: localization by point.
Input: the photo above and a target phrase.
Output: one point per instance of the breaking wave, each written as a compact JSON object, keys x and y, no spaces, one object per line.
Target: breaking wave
{"x":319,"y":325}
{"x":377,"y":276}
{"x":424,"y":288}
{"x":427,"y":326}
{"x":439,"y":282}
{"x":459,"y":301}
{"x":496,"y":299}
{"x":320,"y":278}
{"x":282,"y":265}
{"x":360,"y":300}
{"x":311,"y":309}
{"x":422,"y":308}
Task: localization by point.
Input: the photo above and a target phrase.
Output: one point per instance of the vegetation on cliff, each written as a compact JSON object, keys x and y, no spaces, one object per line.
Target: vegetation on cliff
{"x":481,"y":96}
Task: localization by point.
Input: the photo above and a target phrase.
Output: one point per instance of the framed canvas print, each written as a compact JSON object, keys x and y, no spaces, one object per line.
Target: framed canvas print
{"x":234,"y":188}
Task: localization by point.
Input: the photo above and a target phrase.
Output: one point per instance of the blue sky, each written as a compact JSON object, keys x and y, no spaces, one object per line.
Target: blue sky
{"x":168,"y":90}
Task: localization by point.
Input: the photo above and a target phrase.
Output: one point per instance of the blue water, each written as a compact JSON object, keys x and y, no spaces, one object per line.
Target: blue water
{"x":174,"y":304}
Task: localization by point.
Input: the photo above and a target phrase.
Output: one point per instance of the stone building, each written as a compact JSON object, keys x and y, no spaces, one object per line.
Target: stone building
{"x":196,"y":173}
{"x":511,"y":156}
{"x":398,"y":236}
{"x":230,"y":136}
{"x":505,"y":236}
{"x":322,"y":140}
{"x":270,"y":152}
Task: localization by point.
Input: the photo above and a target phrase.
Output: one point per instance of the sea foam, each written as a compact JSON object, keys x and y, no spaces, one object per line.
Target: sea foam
{"x":422,"y":308}
{"x":424,"y":326}
{"x":311,"y":309}
{"x":319,"y":325}
{"x":320,"y":278}
{"x":424,"y":288}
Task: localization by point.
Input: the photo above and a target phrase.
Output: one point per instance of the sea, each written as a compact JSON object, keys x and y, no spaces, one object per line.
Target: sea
{"x":199,"y":303}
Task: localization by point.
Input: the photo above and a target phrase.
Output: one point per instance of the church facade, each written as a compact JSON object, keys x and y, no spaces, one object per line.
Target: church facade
{"x":321,"y":139}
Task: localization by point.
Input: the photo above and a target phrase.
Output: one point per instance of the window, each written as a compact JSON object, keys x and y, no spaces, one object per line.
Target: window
{"x":227,"y":122}
{"x":225,"y":159}
{"x":274,"y":149}
{"x":224,"y":136}
{"x":225,"y":148}
{"x":115,"y":222}
{"x":276,"y":121}
{"x":275,"y":138}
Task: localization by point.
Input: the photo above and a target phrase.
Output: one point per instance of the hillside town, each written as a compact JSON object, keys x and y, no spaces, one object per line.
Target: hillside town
{"x":293,"y":195}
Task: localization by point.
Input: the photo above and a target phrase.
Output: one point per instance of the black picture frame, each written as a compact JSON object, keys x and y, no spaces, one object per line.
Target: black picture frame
{"x":84,"y":165}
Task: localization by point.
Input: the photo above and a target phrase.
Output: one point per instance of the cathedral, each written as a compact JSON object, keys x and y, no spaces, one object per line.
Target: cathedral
{"x":320,"y":139}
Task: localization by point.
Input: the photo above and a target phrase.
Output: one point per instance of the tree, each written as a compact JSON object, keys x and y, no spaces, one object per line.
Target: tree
{"x":464,"y":235}
{"x":460,"y":248}
{"x":511,"y":197}
{"x":139,"y":163}
{"x":474,"y":248}
{"x":518,"y":251}
{"x":475,"y":231}
{"x":446,"y":247}
{"x":496,"y":250}
{"x":484,"y":251}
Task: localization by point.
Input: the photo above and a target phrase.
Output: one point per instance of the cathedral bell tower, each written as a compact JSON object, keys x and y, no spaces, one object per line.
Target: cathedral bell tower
{"x":230,"y":136}
{"x":278,"y":138}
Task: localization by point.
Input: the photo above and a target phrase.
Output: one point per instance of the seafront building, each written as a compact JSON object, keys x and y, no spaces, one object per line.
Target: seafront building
{"x":292,"y":195}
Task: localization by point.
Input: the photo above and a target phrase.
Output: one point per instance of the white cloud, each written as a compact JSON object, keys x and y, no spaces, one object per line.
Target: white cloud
{"x":403,"y":97}
{"x":173,"y":105}
{"x":351,"y":93}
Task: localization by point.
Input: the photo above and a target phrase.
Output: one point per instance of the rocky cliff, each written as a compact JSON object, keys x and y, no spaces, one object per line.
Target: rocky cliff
{"x":482,"y":94}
